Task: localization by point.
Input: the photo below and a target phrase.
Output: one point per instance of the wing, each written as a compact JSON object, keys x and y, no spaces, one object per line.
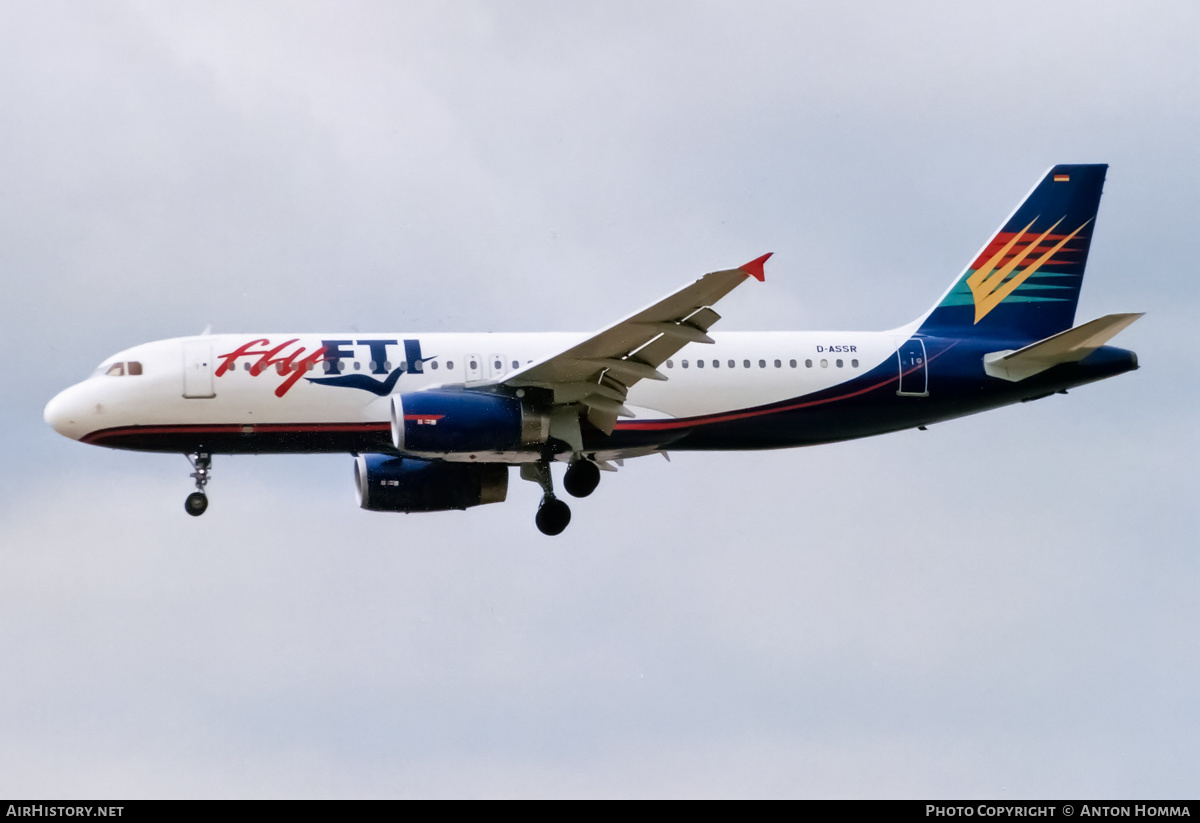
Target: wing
{"x":593,"y":378}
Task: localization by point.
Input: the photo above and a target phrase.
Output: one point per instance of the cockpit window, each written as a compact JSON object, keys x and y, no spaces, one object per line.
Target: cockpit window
{"x":121,"y":369}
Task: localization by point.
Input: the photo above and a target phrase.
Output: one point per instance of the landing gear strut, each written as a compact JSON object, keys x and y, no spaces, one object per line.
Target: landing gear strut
{"x":197,"y":501}
{"x":553,"y":515}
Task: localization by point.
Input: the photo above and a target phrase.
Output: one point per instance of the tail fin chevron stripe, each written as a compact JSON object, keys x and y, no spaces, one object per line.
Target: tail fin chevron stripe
{"x":990,"y":288}
{"x":1024,"y":283}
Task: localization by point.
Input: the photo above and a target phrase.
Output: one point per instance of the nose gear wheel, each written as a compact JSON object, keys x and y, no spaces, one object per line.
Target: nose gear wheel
{"x":197,"y":502}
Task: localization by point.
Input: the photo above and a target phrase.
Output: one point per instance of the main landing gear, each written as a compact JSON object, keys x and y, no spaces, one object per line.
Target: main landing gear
{"x":197,"y":502}
{"x":581,"y":479}
{"x":553,"y":515}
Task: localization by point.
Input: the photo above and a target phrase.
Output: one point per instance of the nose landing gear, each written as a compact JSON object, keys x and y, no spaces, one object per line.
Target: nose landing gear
{"x":197,"y":502}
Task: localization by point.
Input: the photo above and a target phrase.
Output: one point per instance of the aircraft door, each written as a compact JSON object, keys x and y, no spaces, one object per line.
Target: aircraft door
{"x":474,"y":367}
{"x":496,"y":364}
{"x":914,"y":378}
{"x":198,"y":369}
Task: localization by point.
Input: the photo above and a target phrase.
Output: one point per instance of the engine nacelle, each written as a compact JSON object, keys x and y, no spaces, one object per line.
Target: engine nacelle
{"x":408,"y":484}
{"x":447,"y":421}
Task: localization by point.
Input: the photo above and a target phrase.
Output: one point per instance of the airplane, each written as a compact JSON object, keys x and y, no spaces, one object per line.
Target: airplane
{"x":435,"y":421}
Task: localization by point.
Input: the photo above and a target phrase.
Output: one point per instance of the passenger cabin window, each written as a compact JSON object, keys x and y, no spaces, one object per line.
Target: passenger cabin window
{"x":762,"y":364}
{"x":732,"y":363}
{"x":670,"y":364}
{"x":745,"y":364}
{"x":778,"y":364}
{"x":808,"y":364}
{"x":854,"y":363}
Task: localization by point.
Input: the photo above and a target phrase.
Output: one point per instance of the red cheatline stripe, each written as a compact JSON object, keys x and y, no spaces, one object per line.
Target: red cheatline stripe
{"x":656,"y":425}
{"x":687,"y":422}
{"x":226,"y":428}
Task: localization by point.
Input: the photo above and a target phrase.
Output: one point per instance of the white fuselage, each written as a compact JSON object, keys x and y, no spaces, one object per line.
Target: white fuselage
{"x":203,"y":380}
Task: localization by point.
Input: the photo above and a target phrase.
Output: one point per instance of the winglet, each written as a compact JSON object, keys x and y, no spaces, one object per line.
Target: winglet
{"x":755,"y":267}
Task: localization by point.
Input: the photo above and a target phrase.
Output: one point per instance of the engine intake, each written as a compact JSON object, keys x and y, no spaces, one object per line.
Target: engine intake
{"x":447,"y":421}
{"x":408,"y":484}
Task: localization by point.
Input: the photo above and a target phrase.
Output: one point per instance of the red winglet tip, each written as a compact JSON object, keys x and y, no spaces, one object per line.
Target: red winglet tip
{"x":755,"y":267}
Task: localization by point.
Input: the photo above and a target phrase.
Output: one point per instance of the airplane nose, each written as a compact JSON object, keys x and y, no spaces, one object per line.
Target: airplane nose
{"x":62,"y":413}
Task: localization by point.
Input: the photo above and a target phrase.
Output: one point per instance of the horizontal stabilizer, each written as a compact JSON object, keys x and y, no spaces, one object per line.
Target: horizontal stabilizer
{"x":1069,"y":346}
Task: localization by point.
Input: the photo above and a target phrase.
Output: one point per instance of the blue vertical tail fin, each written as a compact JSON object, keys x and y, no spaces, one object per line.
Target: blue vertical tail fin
{"x":1024,"y":284}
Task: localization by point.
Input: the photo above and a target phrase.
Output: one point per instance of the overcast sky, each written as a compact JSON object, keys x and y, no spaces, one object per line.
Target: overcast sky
{"x":1003,"y":606}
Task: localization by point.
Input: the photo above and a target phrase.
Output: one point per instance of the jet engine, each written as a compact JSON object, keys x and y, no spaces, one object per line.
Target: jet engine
{"x":445,"y":422}
{"x":408,"y":484}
